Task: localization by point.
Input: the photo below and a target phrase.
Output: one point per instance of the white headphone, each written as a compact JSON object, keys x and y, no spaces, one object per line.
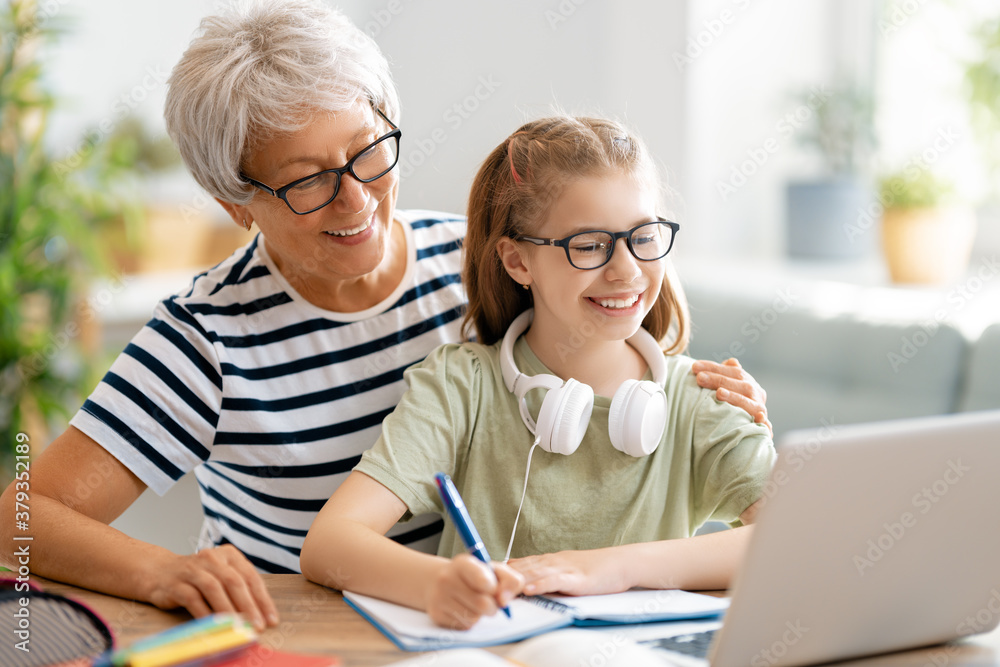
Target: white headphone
{"x":638,"y":410}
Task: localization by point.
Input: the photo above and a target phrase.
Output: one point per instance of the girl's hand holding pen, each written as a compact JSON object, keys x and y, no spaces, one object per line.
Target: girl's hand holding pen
{"x":468,"y":589}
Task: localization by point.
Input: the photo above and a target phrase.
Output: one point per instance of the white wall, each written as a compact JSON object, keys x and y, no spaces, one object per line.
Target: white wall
{"x":748,"y":61}
{"x":469,"y":73}
{"x":708,"y":83}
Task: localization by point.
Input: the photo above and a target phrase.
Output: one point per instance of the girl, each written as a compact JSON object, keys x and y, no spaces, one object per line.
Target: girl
{"x":563,"y":233}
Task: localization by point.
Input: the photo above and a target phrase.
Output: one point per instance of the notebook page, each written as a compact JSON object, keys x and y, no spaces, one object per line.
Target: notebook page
{"x":638,"y":606}
{"x":410,"y":624}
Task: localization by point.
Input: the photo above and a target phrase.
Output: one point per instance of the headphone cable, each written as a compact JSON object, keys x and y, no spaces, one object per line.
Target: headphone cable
{"x":524,"y":492}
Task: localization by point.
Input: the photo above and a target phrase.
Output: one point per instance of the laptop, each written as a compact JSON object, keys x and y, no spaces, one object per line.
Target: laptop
{"x":873,"y":538}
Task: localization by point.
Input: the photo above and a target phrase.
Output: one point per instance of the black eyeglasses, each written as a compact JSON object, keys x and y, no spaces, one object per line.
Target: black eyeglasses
{"x":593,"y":249}
{"x":317,"y":190}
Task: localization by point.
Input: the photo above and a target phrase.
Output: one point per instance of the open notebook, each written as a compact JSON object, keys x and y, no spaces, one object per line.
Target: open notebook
{"x":413,"y":630}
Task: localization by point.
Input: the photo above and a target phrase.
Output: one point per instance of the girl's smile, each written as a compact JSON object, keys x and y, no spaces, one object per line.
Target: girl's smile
{"x":617,"y":305}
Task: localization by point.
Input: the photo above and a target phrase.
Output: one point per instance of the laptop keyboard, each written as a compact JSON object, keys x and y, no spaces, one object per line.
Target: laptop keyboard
{"x":695,"y":644}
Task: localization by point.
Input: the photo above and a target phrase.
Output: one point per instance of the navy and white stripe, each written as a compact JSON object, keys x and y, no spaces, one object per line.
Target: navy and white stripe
{"x":270,"y":399}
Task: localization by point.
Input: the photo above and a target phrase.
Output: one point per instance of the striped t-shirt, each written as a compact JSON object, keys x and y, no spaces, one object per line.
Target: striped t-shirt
{"x":273,"y":396}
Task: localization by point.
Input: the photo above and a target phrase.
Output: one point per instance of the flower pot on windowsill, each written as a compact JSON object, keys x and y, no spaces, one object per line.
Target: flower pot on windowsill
{"x":823,"y":219}
{"x":928,"y":245}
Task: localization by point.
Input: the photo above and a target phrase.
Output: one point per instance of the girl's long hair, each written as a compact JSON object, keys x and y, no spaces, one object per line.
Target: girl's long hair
{"x":513,"y":192}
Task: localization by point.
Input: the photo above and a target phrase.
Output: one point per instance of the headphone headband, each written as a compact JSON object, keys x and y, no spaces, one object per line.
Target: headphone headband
{"x":637,"y":415}
{"x":511,"y":375}
{"x":641,"y":341}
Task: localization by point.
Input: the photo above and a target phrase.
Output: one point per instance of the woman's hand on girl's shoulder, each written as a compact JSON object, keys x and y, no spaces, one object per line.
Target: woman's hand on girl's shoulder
{"x":467,"y":589}
{"x":735,"y":386}
{"x":591,"y":572}
{"x":213,"y":580}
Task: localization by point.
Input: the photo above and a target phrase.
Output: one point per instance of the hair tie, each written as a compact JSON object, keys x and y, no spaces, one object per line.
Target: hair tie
{"x":513,"y":172}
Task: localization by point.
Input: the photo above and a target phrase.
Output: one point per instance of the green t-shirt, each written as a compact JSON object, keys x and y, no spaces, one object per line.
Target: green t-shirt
{"x":457,"y":417}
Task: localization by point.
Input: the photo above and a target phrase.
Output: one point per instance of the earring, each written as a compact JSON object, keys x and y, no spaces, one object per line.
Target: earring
{"x":526,"y":287}
{"x":245,"y":225}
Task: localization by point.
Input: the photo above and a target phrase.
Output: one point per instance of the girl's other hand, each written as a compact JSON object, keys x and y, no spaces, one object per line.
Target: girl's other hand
{"x":468,"y":589}
{"x":735,"y":386}
{"x":592,"y":572}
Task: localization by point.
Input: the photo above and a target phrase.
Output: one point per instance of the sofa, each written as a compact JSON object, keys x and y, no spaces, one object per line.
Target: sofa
{"x":830,"y":354}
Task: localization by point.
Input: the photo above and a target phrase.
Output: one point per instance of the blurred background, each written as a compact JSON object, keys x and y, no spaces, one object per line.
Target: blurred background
{"x":834,"y":163}
{"x":730,"y":94}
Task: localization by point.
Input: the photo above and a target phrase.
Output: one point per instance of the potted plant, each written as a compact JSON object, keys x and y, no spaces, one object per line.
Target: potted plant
{"x":50,"y":208}
{"x":821,"y":212}
{"x":927,"y":233}
{"x":982,"y":79}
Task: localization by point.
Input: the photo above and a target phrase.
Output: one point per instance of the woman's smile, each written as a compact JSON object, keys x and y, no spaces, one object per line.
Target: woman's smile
{"x":354,"y":234}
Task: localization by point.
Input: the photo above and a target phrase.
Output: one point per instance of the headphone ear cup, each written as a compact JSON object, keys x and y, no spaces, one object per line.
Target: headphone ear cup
{"x":563,"y":417}
{"x":637,"y":417}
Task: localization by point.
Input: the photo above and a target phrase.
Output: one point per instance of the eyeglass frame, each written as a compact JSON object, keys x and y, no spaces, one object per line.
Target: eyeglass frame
{"x":627,"y":235}
{"x":282,"y":192}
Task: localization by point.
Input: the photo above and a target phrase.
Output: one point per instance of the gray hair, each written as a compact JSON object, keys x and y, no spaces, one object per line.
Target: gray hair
{"x":262,"y":68}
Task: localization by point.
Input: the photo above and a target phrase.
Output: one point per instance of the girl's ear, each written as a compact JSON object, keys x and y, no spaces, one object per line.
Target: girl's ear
{"x":512,"y":260}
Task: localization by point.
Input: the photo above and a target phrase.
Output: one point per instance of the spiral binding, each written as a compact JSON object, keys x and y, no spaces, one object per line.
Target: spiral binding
{"x":549,"y":603}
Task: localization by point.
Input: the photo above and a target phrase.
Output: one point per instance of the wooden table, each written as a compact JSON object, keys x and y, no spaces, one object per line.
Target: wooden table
{"x":316,"y":620}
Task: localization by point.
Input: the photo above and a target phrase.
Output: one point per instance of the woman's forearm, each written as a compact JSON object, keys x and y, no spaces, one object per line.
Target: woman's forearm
{"x":69,"y":546}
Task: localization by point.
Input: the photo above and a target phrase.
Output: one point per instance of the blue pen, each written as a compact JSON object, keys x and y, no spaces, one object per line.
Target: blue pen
{"x":463,"y":522}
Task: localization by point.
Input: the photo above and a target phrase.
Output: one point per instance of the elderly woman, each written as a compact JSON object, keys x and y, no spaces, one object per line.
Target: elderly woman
{"x":272,"y":372}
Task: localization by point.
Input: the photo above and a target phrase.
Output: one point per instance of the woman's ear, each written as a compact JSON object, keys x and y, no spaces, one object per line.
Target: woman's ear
{"x":240,"y":215}
{"x":513,"y":261}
